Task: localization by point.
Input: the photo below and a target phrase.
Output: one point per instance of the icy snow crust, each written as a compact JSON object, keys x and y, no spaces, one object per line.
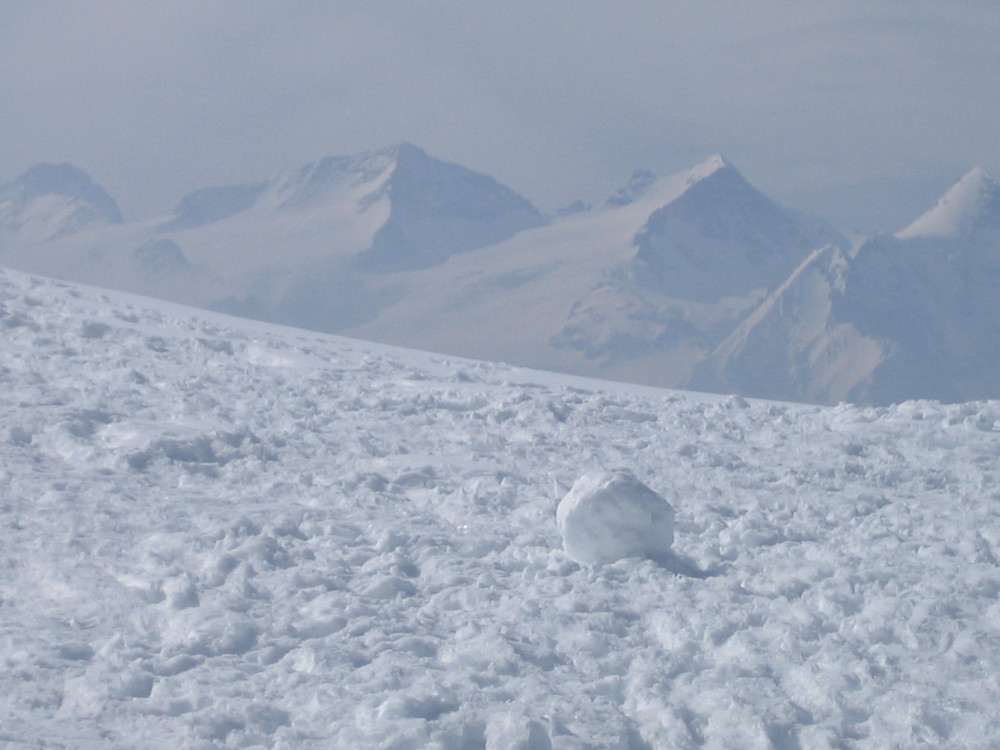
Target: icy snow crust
{"x":221,"y":534}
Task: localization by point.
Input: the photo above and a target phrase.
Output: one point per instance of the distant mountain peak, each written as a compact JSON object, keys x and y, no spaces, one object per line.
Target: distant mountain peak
{"x":54,"y":200}
{"x":645,"y":184}
{"x":977,"y":175}
{"x":438,"y":208}
{"x":405,"y":149}
{"x":709,"y":167}
{"x":716,"y":235}
{"x":715,"y":173}
{"x":970,"y":205}
{"x":65,"y":181}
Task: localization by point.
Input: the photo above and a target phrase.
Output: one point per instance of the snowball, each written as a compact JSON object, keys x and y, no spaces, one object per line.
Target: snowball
{"x":610,"y":515}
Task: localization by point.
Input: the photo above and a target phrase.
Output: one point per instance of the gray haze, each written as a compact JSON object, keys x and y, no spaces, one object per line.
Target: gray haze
{"x":863,"y":112}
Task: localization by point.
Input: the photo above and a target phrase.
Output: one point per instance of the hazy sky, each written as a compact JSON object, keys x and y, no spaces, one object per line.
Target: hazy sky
{"x":863,"y":112}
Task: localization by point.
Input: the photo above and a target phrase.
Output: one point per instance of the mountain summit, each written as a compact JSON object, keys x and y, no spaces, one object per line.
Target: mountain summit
{"x":54,"y":200}
{"x":719,"y":236}
{"x":909,"y":316}
{"x":402,"y":208}
{"x":970,"y":206}
{"x":707,"y":168}
{"x":438,"y":209}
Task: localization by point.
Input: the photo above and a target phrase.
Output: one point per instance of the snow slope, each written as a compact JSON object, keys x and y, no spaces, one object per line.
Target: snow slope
{"x":970,"y":206}
{"x":216,"y":533}
{"x":905,"y":316}
{"x":791,"y":345}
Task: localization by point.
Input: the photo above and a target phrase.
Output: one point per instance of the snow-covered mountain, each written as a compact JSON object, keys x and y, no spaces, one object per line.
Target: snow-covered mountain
{"x":216,"y":533}
{"x":424,"y":209}
{"x":691,"y":280}
{"x":306,"y":248}
{"x":637,"y":289}
{"x":720,"y":237}
{"x":971,"y":207}
{"x":53,"y":200}
{"x":400,"y":247}
{"x":906,"y":316}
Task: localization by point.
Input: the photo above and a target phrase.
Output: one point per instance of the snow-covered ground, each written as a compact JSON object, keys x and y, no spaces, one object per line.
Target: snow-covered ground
{"x":216,"y":533}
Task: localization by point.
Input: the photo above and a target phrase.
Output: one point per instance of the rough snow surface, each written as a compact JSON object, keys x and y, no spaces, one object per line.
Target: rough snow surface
{"x":610,"y":515}
{"x":215,"y":534}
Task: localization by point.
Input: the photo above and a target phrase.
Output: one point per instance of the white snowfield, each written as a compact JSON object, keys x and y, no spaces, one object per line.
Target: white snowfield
{"x":216,"y":533}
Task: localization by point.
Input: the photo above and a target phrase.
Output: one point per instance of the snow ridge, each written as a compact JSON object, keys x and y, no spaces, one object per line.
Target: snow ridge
{"x":707,"y":168}
{"x":971,"y":205}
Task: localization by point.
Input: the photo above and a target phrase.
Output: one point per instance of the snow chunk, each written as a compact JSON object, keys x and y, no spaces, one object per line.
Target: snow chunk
{"x":610,"y":515}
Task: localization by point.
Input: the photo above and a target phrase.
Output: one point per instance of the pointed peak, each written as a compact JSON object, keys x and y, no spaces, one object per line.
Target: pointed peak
{"x":976,"y":174}
{"x":970,"y":205}
{"x":407,"y":156}
{"x":709,"y":167}
{"x":974,"y":183}
{"x":715,"y":171}
{"x":366,"y":162}
{"x":403,"y":152}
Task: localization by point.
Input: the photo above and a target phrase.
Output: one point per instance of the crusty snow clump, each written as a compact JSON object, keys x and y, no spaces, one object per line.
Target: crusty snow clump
{"x":610,"y":515}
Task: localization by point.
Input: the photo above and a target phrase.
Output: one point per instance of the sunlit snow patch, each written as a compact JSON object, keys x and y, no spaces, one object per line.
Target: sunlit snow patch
{"x":610,"y":515}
